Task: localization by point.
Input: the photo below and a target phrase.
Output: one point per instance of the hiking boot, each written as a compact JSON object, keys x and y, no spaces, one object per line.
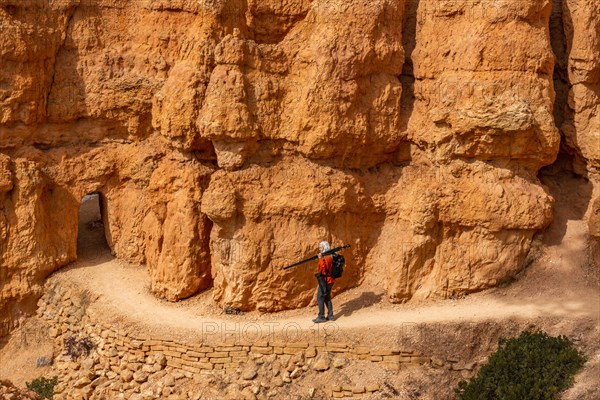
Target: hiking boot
{"x":319,"y":320}
{"x":331,"y":318}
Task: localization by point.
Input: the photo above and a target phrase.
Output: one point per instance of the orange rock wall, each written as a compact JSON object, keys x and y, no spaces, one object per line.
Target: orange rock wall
{"x":578,"y":111}
{"x":227,"y":138}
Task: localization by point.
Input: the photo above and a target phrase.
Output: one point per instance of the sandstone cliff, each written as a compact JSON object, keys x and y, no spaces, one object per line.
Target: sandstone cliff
{"x":228,"y":137}
{"x":578,"y":75}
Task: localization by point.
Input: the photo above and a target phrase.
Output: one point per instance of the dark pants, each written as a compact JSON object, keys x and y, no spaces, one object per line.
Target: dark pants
{"x":324,"y":296}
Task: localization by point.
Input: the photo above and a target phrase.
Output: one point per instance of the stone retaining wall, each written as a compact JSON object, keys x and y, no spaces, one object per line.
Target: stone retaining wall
{"x":135,"y":360}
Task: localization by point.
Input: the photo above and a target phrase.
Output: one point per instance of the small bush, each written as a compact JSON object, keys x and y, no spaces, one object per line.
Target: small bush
{"x":76,"y":348}
{"x":533,"y":366}
{"x":43,"y":362}
{"x":44,"y":387}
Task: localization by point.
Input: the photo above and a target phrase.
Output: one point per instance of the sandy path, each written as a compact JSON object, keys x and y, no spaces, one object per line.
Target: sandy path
{"x":554,"y":286}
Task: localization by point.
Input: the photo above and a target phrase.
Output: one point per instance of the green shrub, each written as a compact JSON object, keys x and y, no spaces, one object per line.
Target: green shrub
{"x":533,"y":366}
{"x":44,"y":387}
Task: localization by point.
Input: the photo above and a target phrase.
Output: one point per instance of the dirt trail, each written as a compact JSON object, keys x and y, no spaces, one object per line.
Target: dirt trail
{"x":555,"y":285}
{"x":559,"y":292}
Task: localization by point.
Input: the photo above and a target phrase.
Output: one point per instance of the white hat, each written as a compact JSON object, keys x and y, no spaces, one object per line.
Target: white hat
{"x":324,"y":246}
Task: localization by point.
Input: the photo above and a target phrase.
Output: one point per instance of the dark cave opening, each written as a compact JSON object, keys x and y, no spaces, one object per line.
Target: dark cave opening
{"x":91,"y":234}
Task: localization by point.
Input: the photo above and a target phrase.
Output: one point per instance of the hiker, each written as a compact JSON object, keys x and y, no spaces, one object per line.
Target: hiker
{"x":325,"y":283}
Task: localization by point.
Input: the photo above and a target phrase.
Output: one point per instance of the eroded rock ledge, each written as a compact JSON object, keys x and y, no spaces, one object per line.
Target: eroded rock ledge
{"x":228,"y":137}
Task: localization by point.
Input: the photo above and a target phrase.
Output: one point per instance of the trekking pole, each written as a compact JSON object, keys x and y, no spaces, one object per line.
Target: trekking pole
{"x":326,"y":253}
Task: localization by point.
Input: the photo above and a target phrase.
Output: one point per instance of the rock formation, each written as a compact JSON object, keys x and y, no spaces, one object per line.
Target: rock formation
{"x":227,"y":138}
{"x":581,"y":123}
{"x":10,"y":391}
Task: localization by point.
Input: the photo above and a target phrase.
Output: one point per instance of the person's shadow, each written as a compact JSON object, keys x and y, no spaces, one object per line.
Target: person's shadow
{"x":366,"y":299}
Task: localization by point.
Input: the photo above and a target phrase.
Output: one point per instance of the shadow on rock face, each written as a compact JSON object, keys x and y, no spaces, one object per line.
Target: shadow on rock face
{"x":572,"y":195}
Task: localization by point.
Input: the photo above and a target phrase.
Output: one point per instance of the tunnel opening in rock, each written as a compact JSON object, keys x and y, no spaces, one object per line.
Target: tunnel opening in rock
{"x":91,"y":234}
